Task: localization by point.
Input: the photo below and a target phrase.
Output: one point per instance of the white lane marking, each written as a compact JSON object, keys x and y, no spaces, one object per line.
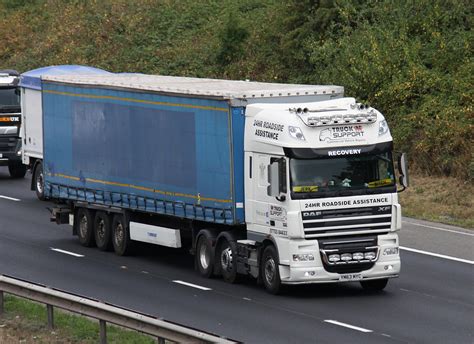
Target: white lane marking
{"x":192,"y":285}
{"x":10,"y":198}
{"x":437,"y":255}
{"x":247,"y":299}
{"x":361,"y":329}
{"x":66,"y":252}
{"x":439,"y":228}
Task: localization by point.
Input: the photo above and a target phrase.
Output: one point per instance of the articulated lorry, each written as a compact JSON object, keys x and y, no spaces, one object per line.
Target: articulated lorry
{"x":10,"y":123}
{"x":290,"y":184}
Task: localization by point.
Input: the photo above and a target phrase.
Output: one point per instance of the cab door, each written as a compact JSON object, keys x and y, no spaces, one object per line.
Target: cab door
{"x":265,"y":214}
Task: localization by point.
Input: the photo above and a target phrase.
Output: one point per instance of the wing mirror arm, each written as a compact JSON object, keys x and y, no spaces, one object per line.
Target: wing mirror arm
{"x":403,"y":170}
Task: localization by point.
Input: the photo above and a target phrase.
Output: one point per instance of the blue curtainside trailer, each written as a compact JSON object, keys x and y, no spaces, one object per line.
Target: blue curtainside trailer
{"x":180,"y":156}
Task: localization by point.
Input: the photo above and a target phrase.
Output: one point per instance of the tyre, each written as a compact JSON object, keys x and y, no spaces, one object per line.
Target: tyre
{"x":374,"y":285}
{"x":121,"y":236}
{"x":85,"y":227}
{"x":227,"y":258}
{"x":38,"y":182}
{"x":103,"y":231}
{"x":204,"y":257}
{"x":269,"y":270}
{"x":17,"y":170}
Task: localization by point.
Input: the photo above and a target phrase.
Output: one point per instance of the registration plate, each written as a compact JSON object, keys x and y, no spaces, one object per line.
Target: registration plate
{"x":350,"y":277}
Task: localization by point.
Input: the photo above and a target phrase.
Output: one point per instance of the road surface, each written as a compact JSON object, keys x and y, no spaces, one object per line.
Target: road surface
{"x":431,"y":302}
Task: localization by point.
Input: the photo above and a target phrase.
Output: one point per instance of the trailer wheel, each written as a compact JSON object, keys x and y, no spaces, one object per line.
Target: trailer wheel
{"x":102,"y":231}
{"x":39,"y":182}
{"x":85,"y":227}
{"x":204,"y":257}
{"x":17,"y":170}
{"x":374,"y":285}
{"x":269,"y":270}
{"x":227,"y":255}
{"x":121,"y":236}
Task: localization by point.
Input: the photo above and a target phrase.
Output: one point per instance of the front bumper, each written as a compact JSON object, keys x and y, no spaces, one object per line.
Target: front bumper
{"x":306,"y":275}
{"x":9,"y":149}
{"x":9,"y":158}
{"x":386,"y":266}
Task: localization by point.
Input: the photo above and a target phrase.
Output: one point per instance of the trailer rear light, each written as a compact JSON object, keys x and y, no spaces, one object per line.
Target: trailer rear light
{"x":296,"y":133}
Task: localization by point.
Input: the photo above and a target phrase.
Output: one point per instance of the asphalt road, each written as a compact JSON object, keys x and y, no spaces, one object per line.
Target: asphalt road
{"x":431,"y":302}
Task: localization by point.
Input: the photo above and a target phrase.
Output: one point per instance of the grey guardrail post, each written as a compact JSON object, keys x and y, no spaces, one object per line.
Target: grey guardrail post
{"x":106,"y":313}
{"x":50,"y":311}
{"x":103,"y":332}
{"x":1,"y":302}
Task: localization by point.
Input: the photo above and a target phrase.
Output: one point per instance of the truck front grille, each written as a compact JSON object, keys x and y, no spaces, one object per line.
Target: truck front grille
{"x":349,"y":221}
{"x":7,"y":144}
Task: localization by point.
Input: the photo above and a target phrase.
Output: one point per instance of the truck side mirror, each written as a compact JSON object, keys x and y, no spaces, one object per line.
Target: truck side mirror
{"x":403,"y":169}
{"x":277,"y":179}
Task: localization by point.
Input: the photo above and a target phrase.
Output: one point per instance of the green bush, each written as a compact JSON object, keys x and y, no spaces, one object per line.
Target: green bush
{"x":411,"y":59}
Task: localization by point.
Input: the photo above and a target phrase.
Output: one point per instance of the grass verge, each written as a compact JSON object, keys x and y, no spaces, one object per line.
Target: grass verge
{"x":25,"y":322}
{"x":440,"y":199}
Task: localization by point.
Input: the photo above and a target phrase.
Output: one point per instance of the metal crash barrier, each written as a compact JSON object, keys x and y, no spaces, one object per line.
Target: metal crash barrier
{"x":161,"y":329}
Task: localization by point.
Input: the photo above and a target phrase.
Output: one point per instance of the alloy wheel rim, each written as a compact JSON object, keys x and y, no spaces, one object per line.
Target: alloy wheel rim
{"x":101,"y":229}
{"x":83,"y":226}
{"x":204,"y":257}
{"x":119,"y":234}
{"x":39,"y":182}
{"x":270,"y":270}
{"x":226,"y":259}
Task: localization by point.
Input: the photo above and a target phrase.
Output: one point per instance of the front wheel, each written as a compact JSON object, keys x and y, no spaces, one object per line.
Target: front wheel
{"x":17,"y":170}
{"x":269,"y":270}
{"x":374,"y":285}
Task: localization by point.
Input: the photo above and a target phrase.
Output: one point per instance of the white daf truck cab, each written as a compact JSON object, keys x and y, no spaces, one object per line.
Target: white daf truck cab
{"x":321,"y":185}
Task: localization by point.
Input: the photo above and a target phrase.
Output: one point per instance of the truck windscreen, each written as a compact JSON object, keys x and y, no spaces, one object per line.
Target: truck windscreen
{"x":342,"y":176}
{"x":9,"y":99}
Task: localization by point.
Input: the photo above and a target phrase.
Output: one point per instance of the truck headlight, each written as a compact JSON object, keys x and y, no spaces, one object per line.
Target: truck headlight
{"x":346,"y":256}
{"x":296,"y":133}
{"x":370,"y":255}
{"x":358,"y":256}
{"x":383,"y":128}
{"x":303,"y":257}
{"x":334,"y":258}
{"x":390,"y":251}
